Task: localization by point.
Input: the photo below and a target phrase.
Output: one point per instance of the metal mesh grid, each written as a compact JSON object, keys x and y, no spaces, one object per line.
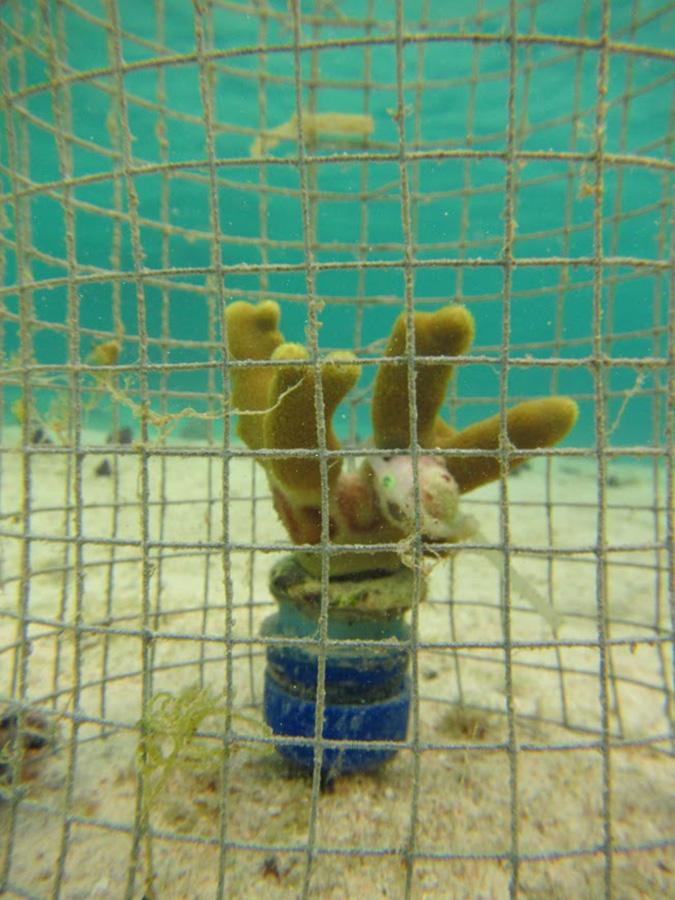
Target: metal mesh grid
{"x":190,"y":501}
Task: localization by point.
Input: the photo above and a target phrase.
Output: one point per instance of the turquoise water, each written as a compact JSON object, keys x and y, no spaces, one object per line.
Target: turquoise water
{"x":455,"y":96}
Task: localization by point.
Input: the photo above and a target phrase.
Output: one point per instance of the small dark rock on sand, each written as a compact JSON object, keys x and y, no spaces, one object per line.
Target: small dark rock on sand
{"x":104,"y":468}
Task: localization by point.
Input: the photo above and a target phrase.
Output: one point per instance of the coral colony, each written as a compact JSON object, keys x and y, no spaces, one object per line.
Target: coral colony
{"x":376,"y":503}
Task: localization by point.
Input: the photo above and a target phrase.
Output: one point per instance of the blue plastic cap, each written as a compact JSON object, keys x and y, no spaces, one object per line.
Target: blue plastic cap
{"x":294,"y":716}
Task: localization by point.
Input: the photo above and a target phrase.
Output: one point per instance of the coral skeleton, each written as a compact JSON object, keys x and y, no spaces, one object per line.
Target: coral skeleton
{"x":381,"y":502}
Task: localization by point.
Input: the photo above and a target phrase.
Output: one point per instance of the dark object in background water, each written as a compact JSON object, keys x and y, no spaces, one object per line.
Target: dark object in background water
{"x":35,"y":736}
{"x":39,"y":437}
{"x":124,"y":436}
{"x":523,"y":467}
{"x":103,"y":468}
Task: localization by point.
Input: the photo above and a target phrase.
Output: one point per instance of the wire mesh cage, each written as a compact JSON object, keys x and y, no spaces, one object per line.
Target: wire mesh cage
{"x":355,"y":161}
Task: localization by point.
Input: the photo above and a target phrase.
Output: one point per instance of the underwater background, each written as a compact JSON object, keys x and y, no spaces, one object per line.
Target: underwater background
{"x":601,"y":312}
{"x":534,"y":185}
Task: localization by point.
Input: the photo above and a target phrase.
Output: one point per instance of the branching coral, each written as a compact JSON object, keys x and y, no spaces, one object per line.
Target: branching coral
{"x":376,"y":504}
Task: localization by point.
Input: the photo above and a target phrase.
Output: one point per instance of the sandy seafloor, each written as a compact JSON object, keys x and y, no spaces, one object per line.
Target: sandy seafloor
{"x":363,"y":825}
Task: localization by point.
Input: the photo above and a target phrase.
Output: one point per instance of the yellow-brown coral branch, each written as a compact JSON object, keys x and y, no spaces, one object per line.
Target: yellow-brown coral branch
{"x":446,"y":332}
{"x":252,"y":333}
{"x":292,"y":423}
{"x":530,"y":425}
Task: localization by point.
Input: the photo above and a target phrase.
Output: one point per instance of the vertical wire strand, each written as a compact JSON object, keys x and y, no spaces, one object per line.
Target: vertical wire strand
{"x":116,"y":240}
{"x":558,"y":346}
{"x":142,"y":829}
{"x":504,"y":445}
{"x":364,"y":226}
{"x":663,"y":405}
{"x":264,"y":215}
{"x":669,"y":530}
{"x":462,"y":245}
{"x":206,"y":92}
{"x":599,"y":374}
{"x":609,"y":318}
{"x":61,"y":107}
{"x":313,"y":307}
{"x":63,"y":123}
{"x":17,"y":144}
{"x":163,"y":386}
{"x":410,"y":847}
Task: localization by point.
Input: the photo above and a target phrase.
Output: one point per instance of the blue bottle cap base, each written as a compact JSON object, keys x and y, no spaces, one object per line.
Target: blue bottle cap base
{"x":293,"y":716}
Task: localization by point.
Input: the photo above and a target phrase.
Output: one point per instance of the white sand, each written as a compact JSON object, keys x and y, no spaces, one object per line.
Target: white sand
{"x":464,"y":806}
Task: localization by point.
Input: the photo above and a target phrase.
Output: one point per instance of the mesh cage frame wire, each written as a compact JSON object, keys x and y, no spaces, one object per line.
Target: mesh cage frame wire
{"x":154,"y":553}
